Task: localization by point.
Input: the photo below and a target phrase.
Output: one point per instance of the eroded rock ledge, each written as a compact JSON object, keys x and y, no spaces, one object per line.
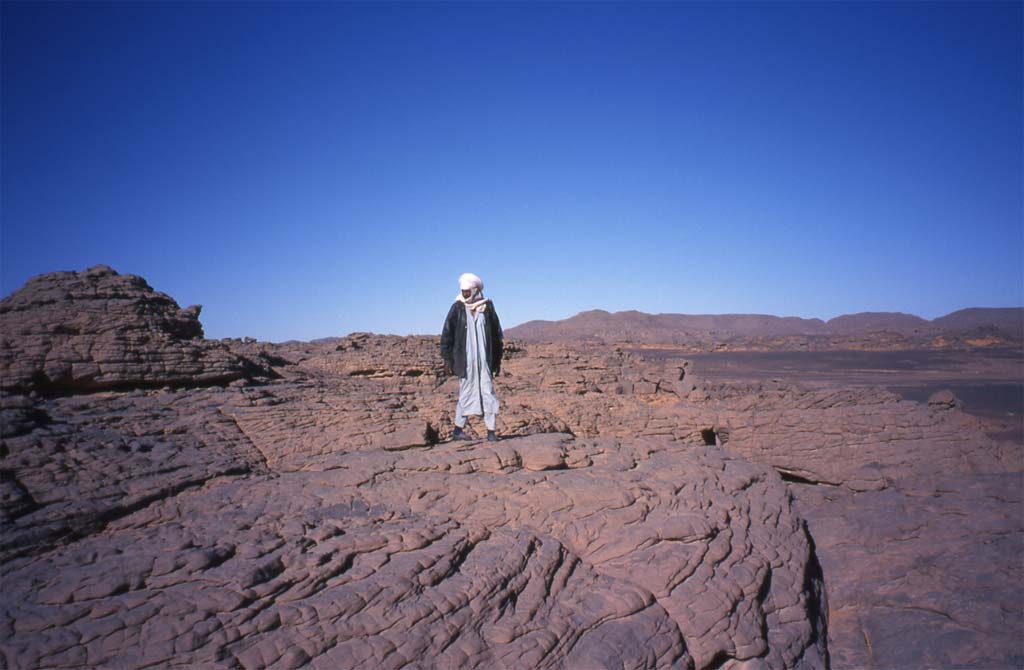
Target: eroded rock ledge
{"x":158,"y":511}
{"x":166,"y":500}
{"x":96,"y":329}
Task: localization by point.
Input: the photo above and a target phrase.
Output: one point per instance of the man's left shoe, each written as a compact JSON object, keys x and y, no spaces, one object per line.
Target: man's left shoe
{"x":491,"y":437}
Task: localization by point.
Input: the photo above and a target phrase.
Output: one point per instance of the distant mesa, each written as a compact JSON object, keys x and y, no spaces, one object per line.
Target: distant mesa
{"x":895,"y":322}
{"x":1006,"y":319}
{"x":966,"y":328}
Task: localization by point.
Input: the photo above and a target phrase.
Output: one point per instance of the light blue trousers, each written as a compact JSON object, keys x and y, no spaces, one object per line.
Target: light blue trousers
{"x":476,"y":390}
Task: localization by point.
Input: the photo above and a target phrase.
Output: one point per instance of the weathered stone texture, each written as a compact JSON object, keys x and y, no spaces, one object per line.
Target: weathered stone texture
{"x":78,"y":331}
{"x":300,"y":505}
{"x":636,"y":554}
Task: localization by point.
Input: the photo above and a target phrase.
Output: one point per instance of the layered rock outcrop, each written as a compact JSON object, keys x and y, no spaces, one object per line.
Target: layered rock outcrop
{"x":311,"y":514}
{"x":80,"y":331}
{"x":920,"y":489}
{"x":307,"y":510}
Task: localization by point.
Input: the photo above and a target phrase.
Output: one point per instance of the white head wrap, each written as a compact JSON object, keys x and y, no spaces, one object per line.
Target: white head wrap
{"x":476,"y":300}
{"x":470,"y":280}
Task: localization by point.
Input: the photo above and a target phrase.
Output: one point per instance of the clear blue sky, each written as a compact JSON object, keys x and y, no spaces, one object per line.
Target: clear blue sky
{"x":306,"y":170}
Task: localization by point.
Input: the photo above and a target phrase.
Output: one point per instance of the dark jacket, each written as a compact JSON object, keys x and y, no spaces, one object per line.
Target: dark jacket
{"x":453,"y":339}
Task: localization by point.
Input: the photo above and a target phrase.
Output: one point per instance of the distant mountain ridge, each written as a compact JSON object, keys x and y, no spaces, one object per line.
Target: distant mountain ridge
{"x":975,"y":326}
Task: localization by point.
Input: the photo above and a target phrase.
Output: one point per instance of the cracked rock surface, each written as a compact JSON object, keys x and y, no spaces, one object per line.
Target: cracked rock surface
{"x":247,"y":504}
{"x":541,"y":551}
{"x":305,"y":510}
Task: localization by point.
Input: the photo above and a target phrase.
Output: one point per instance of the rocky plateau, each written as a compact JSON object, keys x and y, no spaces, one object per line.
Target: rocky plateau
{"x":172,"y":501}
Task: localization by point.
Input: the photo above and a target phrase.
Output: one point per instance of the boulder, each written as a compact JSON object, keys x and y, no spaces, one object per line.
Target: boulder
{"x":944,"y":398}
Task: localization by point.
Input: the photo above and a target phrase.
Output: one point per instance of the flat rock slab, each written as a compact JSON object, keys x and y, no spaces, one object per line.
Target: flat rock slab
{"x":924,"y":575}
{"x":82,"y":461}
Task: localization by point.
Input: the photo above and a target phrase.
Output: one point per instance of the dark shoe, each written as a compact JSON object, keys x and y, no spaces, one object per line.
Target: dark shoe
{"x":491,"y":437}
{"x":457,"y":434}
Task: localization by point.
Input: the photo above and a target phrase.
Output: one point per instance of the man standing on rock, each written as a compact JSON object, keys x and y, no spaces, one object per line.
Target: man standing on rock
{"x":471,"y":346}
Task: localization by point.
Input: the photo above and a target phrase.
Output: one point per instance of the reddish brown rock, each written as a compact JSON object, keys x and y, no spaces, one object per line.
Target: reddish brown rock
{"x":86,"y":460}
{"x":631,"y":517}
{"x":635,"y":553}
{"x":923,"y":574}
{"x":79,"y":331}
{"x":314,"y":521}
{"x":944,"y":398}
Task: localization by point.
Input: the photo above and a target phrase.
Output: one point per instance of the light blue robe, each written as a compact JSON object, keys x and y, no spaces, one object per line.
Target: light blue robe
{"x":476,"y":390}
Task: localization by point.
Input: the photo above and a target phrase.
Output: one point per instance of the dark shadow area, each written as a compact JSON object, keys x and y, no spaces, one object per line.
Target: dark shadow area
{"x":797,"y":479}
{"x":817,"y":600}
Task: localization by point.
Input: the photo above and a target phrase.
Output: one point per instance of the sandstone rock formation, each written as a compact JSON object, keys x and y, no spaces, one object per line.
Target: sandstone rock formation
{"x":311,"y":513}
{"x":307,"y":515}
{"x":542,"y":551}
{"x":858,"y":461}
{"x":80,"y":331}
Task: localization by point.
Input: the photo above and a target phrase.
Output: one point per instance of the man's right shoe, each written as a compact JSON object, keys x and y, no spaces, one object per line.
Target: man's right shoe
{"x":458,"y":434}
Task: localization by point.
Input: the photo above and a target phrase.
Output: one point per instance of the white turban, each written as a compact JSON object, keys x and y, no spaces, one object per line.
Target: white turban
{"x":468,"y":280}
{"x":476,"y":300}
